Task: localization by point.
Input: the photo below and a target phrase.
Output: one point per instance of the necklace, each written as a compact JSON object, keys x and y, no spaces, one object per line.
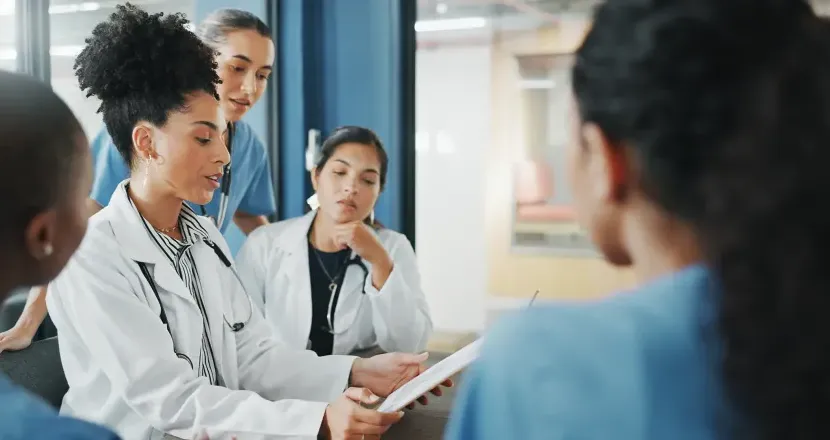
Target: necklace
{"x":169,"y":230}
{"x":332,"y":279}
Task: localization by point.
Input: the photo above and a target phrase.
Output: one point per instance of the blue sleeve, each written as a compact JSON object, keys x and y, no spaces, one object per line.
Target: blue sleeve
{"x":492,"y":403}
{"x":259,"y":199}
{"x":65,"y":428}
{"x":109,"y":168}
{"x":552,"y":373}
{"x":25,"y":416}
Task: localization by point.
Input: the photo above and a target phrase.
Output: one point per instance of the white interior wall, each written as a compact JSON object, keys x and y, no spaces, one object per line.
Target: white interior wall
{"x":453,"y":101}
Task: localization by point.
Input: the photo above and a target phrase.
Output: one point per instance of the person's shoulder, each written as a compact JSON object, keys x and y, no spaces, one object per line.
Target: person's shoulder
{"x":571,"y":363}
{"x":608,"y":342}
{"x":561,"y":336}
{"x":394,"y":241}
{"x":270,"y":238}
{"x":25,"y":416}
{"x":57,"y":427}
{"x":100,"y":245}
{"x":246,"y":138}
{"x":387,"y":234}
{"x":273,"y":232}
{"x":675,"y":303}
{"x":99,"y":229}
{"x":242,"y":128}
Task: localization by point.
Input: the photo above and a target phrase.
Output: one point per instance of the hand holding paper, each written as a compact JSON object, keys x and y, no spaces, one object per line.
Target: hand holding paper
{"x":346,"y":418}
{"x":430,"y":379}
{"x":385,"y":373}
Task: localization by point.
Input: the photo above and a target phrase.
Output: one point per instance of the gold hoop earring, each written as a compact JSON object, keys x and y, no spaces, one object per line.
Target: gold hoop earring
{"x":146,"y":172}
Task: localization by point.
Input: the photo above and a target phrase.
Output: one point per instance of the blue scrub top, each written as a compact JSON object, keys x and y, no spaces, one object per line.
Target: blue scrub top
{"x":643,"y":365}
{"x":24,"y":417}
{"x":252,"y":190}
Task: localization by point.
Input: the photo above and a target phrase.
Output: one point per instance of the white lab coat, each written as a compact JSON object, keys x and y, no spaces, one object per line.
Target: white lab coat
{"x":273,"y":264}
{"x":119,"y":359}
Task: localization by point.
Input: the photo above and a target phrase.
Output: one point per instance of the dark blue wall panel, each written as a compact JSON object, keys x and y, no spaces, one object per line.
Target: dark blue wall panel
{"x":294,"y":76}
{"x":342,"y":63}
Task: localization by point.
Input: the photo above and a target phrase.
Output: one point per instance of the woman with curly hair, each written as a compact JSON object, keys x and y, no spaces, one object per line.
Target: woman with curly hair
{"x":244,"y":56}
{"x":156,"y":332}
{"x":699,"y":159}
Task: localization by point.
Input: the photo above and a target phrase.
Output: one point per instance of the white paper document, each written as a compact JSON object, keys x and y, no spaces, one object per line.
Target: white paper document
{"x":430,"y":378}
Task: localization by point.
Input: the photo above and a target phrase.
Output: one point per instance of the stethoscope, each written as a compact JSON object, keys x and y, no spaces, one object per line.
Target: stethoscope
{"x":234,"y":327}
{"x":357,"y":261}
{"x":224,"y":185}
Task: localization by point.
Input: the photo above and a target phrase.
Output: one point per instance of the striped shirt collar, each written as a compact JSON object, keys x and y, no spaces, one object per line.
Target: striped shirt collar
{"x":191,"y":230}
{"x":189,"y":226}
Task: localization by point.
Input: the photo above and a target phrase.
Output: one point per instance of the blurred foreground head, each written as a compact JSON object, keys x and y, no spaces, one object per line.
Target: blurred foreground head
{"x":710,"y":119}
{"x":46,"y":176}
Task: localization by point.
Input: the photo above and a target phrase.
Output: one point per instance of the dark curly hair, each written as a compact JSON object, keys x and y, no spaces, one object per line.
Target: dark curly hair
{"x":142,"y":66}
{"x":725,"y":106}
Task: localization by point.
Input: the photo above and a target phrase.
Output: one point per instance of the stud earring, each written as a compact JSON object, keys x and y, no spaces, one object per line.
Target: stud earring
{"x":48,"y":249}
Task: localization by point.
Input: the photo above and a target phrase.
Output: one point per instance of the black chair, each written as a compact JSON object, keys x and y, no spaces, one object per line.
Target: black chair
{"x":38,"y":369}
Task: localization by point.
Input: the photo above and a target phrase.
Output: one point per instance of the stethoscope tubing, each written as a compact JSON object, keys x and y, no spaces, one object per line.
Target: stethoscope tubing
{"x":333,"y":299}
{"x":235,"y":327}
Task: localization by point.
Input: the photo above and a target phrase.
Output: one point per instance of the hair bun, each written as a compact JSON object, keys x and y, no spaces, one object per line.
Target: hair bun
{"x":134,"y":52}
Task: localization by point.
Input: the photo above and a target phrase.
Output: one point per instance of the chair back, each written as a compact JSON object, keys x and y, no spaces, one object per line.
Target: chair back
{"x":38,"y":369}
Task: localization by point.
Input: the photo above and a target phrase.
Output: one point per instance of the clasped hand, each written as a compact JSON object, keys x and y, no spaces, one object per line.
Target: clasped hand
{"x":362,"y":240}
{"x":372,"y":378}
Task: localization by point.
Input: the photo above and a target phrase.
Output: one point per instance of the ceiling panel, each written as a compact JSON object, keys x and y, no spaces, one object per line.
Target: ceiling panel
{"x":435,"y":9}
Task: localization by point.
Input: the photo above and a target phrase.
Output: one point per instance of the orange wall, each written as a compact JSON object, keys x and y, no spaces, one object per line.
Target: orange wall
{"x":519,"y":275}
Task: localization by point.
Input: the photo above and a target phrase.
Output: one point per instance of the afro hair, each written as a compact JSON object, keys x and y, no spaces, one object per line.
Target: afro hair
{"x":143,"y":66}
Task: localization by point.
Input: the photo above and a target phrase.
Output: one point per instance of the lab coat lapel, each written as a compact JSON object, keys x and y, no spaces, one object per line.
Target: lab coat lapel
{"x":133,"y":238}
{"x":217,"y":304}
{"x":295,"y":243}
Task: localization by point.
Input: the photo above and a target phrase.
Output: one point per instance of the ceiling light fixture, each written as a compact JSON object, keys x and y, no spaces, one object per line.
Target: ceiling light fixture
{"x":450,"y":24}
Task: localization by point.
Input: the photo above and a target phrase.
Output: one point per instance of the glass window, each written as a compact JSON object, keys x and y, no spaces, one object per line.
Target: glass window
{"x":72,"y":22}
{"x":8,"y":36}
{"x":543,"y":218}
{"x":492,"y":92}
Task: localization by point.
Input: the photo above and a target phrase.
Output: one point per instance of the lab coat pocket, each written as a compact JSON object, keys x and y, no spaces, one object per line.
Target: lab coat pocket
{"x":187,"y":329}
{"x":288,"y":309}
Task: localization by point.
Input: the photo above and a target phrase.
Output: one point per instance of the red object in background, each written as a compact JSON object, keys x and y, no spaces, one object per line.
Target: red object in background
{"x":533,"y":186}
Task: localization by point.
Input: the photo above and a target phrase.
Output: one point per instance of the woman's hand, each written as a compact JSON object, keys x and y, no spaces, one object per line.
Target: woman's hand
{"x":346,"y":419}
{"x":363,"y":240}
{"x":202,"y":435}
{"x":17,"y":338}
{"x":385,"y":373}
